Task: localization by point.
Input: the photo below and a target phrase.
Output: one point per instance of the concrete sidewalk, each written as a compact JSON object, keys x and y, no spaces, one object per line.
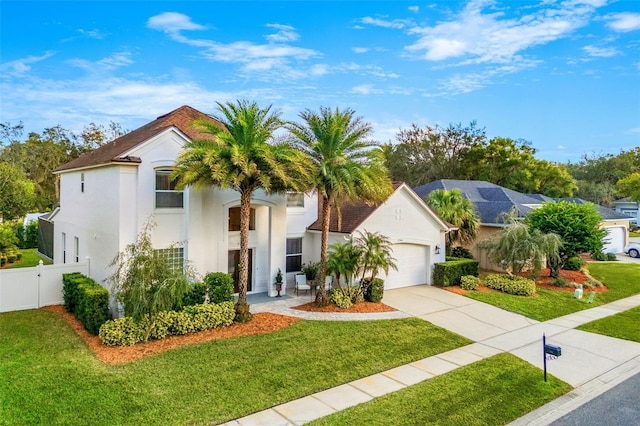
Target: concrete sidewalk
{"x":591,"y":363}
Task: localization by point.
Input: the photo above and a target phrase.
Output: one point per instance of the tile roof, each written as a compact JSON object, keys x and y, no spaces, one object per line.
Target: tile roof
{"x":353,"y":214}
{"x":113,"y":151}
{"x":493,"y":200}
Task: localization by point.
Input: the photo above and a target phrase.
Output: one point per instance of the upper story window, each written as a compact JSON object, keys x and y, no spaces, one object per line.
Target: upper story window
{"x":166,"y":194}
{"x":234,"y":219}
{"x":82,"y":182}
{"x":295,"y":199}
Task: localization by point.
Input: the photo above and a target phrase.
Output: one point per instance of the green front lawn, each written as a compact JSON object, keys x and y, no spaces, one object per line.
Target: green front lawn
{"x":634,"y":234}
{"x":49,"y":376}
{"x":494,"y":391}
{"x":29,"y":258}
{"x":625,"y":325}
{"x":622,"y":280}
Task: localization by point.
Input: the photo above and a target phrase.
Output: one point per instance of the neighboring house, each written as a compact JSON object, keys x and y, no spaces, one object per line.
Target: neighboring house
{"x":628,"y":207}
{"x":494,"y":201}
{"x":107,"y":196}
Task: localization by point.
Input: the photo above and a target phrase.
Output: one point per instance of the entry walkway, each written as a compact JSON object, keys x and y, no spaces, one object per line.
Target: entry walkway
{"x":591,"y":363}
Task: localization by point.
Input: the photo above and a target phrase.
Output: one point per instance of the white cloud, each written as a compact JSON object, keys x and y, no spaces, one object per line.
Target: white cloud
{"x":363,"y":89}
{"x":633,"y":130}
{"x":414,"y":9}
{"x":96,"y":34}
{"x":285,"y":33}
{"x":600,"y":52}
{"x":20,"y":67}
{"x":172,"y":22}
{"x":378,"y":22}
{"x":489,"y":37}
{"x":275,"y":55}
{"x":360,"y":49}
{"x":109,"y":63}
{"x":624,"y":22}
{"x":560,"y":147}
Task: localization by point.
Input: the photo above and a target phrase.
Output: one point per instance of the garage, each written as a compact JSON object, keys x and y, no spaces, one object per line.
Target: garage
{"x":412,"y":261}
{"x":614,"y":241}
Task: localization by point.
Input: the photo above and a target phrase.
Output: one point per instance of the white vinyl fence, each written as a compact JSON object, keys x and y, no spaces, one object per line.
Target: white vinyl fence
{"x":31,"y":288}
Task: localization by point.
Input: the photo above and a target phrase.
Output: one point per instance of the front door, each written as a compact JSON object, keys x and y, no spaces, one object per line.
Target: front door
{"x":234,"y":260}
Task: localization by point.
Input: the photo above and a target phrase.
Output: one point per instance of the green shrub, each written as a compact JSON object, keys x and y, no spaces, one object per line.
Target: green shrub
{"x":340,"y":297}
{"x":11,"y":258}
{"x":573,"y":264}
{"x":469,"y":282}
{"x":560,"y":282}
{"x":511,"y":284}
{"x":375,"y":291}
{"x":310,"y":270}
{"x":87,"y":299}
{"x":19,"y":255}
{"x":450,"y":272}
{"x":194,"y":295}
{"x":461,"y":253}
{"x":126,"y":332}
{"x":220,"y":286}
{"x":611,"y":256}
{"x":3,"y":260}
{"x":600,"y":256}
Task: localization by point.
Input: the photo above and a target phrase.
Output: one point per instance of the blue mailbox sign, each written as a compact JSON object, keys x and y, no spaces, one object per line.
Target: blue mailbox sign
{"x":549,"y":351}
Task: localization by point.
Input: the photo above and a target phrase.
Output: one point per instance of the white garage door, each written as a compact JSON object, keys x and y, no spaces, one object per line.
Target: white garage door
{"x":614,"y":240}
{"x":412,"y":261}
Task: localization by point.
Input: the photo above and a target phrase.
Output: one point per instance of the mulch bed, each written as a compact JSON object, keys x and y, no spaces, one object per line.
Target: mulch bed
{"x":360,"y":308}
{"x":260,"y":324}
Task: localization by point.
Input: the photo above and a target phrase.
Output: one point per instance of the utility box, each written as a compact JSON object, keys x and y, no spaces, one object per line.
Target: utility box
{"x":552,"y":350}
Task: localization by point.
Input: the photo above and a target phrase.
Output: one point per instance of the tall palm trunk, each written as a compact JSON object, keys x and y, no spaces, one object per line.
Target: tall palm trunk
{"x":242,"y":308}
{"x":321,"y":296}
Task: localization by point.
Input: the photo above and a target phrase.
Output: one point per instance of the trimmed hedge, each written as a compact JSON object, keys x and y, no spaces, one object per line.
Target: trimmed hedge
{"x":126,"y":332}
{"x":450,"y":272}
{"x":511,"y":284}
{"x":87,"y":299}
{"x":375,"y":291}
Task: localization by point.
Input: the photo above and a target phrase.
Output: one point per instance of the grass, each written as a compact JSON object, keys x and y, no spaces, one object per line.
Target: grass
{"x":625,"y":325}
{"x":49,"y":376}
{"x":29,"y":258}
{"x":634,"y":234}
{"x":622,"y":280}
{"x":493,"y":391}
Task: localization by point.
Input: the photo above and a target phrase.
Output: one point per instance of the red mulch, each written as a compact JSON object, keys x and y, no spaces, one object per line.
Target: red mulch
{"x":361,"y":307}
{"x":544,"y":281}
{"x":261,"y":323}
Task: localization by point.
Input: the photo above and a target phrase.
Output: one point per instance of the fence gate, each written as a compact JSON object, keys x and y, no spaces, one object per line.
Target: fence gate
{"x":31,"y":288}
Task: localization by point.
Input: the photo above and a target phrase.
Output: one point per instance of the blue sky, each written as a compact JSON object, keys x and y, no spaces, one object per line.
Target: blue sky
{"x":564,"y":75}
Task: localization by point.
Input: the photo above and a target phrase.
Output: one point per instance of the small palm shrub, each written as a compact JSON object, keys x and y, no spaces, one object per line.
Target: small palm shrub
{"x":461,"y":252}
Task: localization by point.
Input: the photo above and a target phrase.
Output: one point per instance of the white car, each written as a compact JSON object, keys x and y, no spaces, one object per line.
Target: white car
{"x":633,"y":250}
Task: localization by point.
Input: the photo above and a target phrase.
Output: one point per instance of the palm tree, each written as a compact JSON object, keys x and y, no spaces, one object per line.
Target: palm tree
{"x":243,"y":156}
{"x":459,"y":211}
{"x":347,"y":166}
{"x":376,"y":254}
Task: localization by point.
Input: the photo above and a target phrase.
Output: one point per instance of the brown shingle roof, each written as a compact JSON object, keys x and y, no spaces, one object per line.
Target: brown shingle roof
{"x":353,"y":214}
{"x":180,"y":118}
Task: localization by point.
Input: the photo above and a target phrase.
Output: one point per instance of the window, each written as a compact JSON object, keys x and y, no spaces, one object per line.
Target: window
{"x":294,"y":254}
{"x":82,"y":182}
{"x":64,"y":248}
{"x":174,"y":256}
{"x":76,"y":249}
{"x":166,"y":194}
{"x":234,"y":219}
{"x":295,"y":199}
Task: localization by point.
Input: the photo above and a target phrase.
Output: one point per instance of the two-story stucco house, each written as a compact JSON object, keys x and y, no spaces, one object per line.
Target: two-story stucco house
{"x":107,"y":196}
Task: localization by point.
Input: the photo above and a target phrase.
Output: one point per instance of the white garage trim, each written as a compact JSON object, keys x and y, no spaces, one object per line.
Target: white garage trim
{"x":413,"y":262}
{"x":615,"y":240}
